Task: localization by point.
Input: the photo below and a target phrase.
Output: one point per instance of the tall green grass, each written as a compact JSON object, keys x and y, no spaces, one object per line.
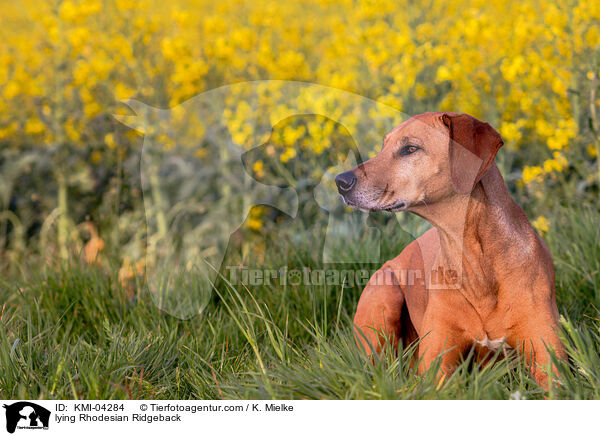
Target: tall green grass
{"x":73,"y":332}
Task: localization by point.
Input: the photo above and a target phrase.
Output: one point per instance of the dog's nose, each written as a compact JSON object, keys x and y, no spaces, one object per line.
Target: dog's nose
{"x":345,"y":182}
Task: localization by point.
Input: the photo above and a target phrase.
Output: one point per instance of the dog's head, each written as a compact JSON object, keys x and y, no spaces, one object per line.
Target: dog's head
{"x":424,"y":160}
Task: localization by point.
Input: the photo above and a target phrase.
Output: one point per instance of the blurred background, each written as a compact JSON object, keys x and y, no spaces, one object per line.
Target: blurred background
{"x":70,"y":185}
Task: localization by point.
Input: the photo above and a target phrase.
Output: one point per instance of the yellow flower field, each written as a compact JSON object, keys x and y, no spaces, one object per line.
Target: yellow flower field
{"x":529,"y":68}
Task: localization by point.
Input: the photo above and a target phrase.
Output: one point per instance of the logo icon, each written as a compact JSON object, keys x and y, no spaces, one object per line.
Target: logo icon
{"x":26,"y":415}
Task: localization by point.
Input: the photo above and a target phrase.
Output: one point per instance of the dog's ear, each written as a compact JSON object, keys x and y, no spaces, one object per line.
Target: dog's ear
{"x":473,"y":146}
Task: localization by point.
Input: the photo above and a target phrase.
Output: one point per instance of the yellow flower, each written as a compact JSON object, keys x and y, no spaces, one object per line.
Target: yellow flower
{"x":291,"y":135}
{"x":92,"y":109}
{"x":560,"y":159}
{"x":541,"y":224}
{"x":122,"y":91}
{"x":255,"y":218}
{"x":510,"y":131}
{"x":79,"y":37}
{"x":551,"y":165}
{"x":532,"y":173}
{"x":258,"y":169}
{"x":254,"y":224}
{"x":11,"y":90}
{"x":558,"y":86}
{"x":543,"y":127}
{"x":68,"y":11}
{"x":288,"y":154}
{"x":557,"y":142}
{"x":96,"y":157}
{"x":34,"y":126}
{"x":420,"y":91}
{"x":109,"y":140}
{"x":443,"y":73}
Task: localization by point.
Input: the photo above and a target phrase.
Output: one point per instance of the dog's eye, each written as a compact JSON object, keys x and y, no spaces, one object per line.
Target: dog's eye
{"x":407,"y":149}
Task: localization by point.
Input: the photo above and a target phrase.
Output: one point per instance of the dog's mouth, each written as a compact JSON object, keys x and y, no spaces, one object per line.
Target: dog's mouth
{"x":353,"y":205}
{"x":396,"y":207}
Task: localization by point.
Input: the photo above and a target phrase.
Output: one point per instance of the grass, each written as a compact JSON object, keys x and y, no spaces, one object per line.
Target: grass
{"x":73,"y":332}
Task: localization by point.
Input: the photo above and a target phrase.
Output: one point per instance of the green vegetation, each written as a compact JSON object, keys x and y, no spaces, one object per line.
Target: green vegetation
{"x":76,"y":332}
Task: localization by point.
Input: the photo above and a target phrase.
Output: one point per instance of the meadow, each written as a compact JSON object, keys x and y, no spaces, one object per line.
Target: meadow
{"x":96,"y":189}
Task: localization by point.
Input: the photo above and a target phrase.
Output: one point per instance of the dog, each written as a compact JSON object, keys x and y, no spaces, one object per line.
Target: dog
{"x":481,"y":277}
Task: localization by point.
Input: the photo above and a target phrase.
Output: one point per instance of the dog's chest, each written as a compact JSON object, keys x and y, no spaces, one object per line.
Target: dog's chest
{"x":492,"y":344}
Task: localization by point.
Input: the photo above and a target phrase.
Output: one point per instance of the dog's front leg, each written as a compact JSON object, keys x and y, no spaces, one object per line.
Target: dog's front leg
{"x":379,"y":311}
{"x":439,"y":343}
{"x":536,"y":343}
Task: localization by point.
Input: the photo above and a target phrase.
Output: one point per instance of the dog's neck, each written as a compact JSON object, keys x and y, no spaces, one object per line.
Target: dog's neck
{"x":460,"y":218}
{"x":473,"y":229}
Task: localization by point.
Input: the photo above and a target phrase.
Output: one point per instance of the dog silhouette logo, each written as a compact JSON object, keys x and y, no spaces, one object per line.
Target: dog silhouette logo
{"x":26,"y":415}
{"x":198,"y":189}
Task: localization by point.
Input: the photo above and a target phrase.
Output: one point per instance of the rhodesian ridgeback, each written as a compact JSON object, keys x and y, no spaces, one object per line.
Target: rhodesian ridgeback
{"x":481,"y":277}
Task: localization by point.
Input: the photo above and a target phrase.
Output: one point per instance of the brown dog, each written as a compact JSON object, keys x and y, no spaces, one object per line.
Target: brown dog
{"x":482,"y":276}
